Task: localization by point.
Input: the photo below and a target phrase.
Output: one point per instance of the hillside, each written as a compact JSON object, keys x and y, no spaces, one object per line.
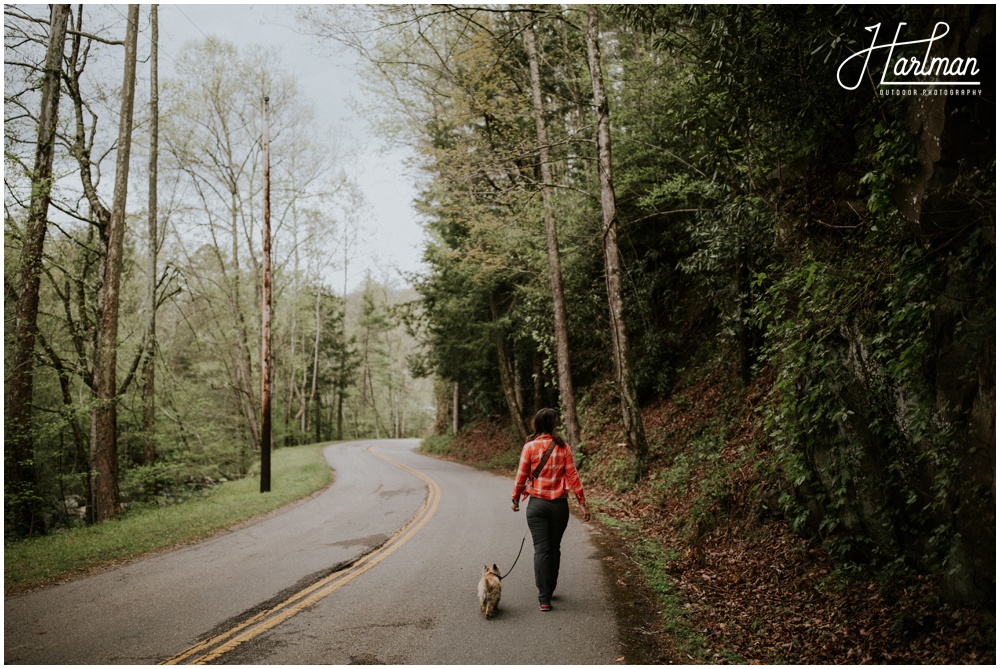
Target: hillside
{"x":706,"y":541}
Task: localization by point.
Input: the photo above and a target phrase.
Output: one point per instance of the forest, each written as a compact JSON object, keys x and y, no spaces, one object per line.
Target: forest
{"x":757,"y":282}
{"x":133,"y":273}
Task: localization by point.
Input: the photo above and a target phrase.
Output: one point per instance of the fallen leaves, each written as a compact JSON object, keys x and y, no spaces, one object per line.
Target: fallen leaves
{"x":757,"y":593}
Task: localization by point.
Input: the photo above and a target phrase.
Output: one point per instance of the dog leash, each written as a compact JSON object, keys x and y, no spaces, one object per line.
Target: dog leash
{"x":517,"y":558}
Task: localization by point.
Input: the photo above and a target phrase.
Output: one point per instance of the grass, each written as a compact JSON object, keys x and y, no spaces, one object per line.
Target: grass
{"x":295,"y":473}
{"x":652,"y":558}
{"x":436,"y":445}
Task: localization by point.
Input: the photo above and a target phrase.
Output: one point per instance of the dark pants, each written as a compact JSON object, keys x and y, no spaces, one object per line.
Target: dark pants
{"x":547,"y":521}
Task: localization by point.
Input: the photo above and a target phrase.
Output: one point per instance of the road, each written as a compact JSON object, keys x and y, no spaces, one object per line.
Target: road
{"x":381,"y":567}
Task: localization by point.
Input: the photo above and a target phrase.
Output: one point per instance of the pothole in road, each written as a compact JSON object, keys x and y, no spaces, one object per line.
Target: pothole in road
{"x":373,"y":541}
{"x":281,"y":597}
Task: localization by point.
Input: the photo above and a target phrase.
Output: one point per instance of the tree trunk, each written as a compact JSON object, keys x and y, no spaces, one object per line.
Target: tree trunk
{"x":507,"y":380}
{"x":290,"y":386}
{"x":315,"y":375}
{"x":148,"y":365}
{"x":537,"y":370}
{"x":454,"y":410}
{"x":18,"y":440}
{"x":518,"y":391}
{"x":318,"y":411}
{"x":265,"y":320}
{"x":104,"y":430}
{"x":340,"y":414}
{"x":635,"y":435}
{"x":371,"y":390}
{"x":552,"y":246}
{"x":244,"y":367}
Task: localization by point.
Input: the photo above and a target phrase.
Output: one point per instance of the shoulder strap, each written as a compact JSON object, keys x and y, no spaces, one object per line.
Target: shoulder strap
{"x":545,"y":458}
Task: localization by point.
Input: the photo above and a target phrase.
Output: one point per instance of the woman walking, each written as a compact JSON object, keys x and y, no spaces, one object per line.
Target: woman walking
{"x":546,"y":473}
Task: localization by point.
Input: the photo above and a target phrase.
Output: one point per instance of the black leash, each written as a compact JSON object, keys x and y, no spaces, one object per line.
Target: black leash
{"x":517,"y":558}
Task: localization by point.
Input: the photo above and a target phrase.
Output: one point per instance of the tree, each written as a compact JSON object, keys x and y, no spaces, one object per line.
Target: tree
{"x":104,"y":429}
{"x":634,"y":433}
{"x":18,"y":447}
{"x":149,"y":358}
{"x":566,"y":396}
{"x":470,"y":120}
{"x":265,"y":315}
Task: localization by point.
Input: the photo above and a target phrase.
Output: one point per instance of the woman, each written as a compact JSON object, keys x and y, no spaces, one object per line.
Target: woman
{"x":548,"y":481}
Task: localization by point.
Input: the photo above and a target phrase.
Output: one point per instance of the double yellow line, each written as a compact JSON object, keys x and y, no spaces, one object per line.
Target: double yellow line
{"x":210,"y":649}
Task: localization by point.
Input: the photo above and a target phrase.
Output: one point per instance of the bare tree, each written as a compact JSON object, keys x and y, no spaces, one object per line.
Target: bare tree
{"x":104,"y":429}
{"x":18,"y":442}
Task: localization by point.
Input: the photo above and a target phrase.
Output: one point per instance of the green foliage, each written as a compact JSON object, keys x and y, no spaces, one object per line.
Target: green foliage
{"x":147,"y":482}
{"x":34,"y":562}
{"x":438,"y":444}
{"x":838,"y":242}
{"x":859,"y":432}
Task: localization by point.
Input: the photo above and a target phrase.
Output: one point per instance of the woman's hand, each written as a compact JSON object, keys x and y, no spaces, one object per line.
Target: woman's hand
{"x":585,"y":511}
{"x":514,"y":505}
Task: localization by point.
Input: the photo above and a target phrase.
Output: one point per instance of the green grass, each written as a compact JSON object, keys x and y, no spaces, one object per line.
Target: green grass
{"x":436,"y":445}
{"x":295,"y":473}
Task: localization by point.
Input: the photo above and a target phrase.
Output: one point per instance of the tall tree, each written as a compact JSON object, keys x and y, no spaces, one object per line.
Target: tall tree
{"x":149,"y":361}
{"x":213,"y":134}
{"x":635,"y":434}
{"x":18,"y":442}
{"x":265,"y":317}
{"x":104,"y":428}
{"x":566,"y":396}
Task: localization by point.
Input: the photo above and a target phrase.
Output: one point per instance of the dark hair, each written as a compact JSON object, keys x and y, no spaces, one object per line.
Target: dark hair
{"x":545,"y":423}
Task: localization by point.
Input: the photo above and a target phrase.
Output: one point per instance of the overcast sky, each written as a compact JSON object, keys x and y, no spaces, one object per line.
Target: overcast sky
{"x":392,"y":236}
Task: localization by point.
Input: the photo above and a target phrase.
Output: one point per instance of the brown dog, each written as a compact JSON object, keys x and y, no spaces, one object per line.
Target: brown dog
{"x":489,"y":590}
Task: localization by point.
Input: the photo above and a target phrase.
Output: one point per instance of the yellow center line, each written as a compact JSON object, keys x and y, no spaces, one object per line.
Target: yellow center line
{"x":301,"y":600}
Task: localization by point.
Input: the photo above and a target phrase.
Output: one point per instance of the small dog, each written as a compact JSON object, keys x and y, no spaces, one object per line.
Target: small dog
{"x":489,"y":590}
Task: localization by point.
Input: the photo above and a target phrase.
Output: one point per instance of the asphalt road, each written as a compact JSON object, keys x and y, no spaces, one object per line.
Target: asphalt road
{"x":381,"y":567}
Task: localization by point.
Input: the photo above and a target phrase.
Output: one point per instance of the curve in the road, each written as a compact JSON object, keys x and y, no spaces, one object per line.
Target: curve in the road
{"x":212,"y":648}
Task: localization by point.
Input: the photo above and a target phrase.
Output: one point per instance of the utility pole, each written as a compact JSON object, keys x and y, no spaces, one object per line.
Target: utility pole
{"x":265,"y":315}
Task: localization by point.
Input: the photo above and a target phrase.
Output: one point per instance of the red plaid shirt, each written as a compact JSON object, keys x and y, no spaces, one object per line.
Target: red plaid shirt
{"x":557,"y":477}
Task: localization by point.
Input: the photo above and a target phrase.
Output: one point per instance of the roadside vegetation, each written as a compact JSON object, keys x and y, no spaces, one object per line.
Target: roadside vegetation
{"x":704,"y":535}
{"x":161,"y":523}
{"x":805,"y":318}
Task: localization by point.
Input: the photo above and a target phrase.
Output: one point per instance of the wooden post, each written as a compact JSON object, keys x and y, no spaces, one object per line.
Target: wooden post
{"x":265,"y":315}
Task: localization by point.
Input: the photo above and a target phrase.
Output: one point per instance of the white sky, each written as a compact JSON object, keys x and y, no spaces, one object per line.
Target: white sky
{"x":391,"y":239}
